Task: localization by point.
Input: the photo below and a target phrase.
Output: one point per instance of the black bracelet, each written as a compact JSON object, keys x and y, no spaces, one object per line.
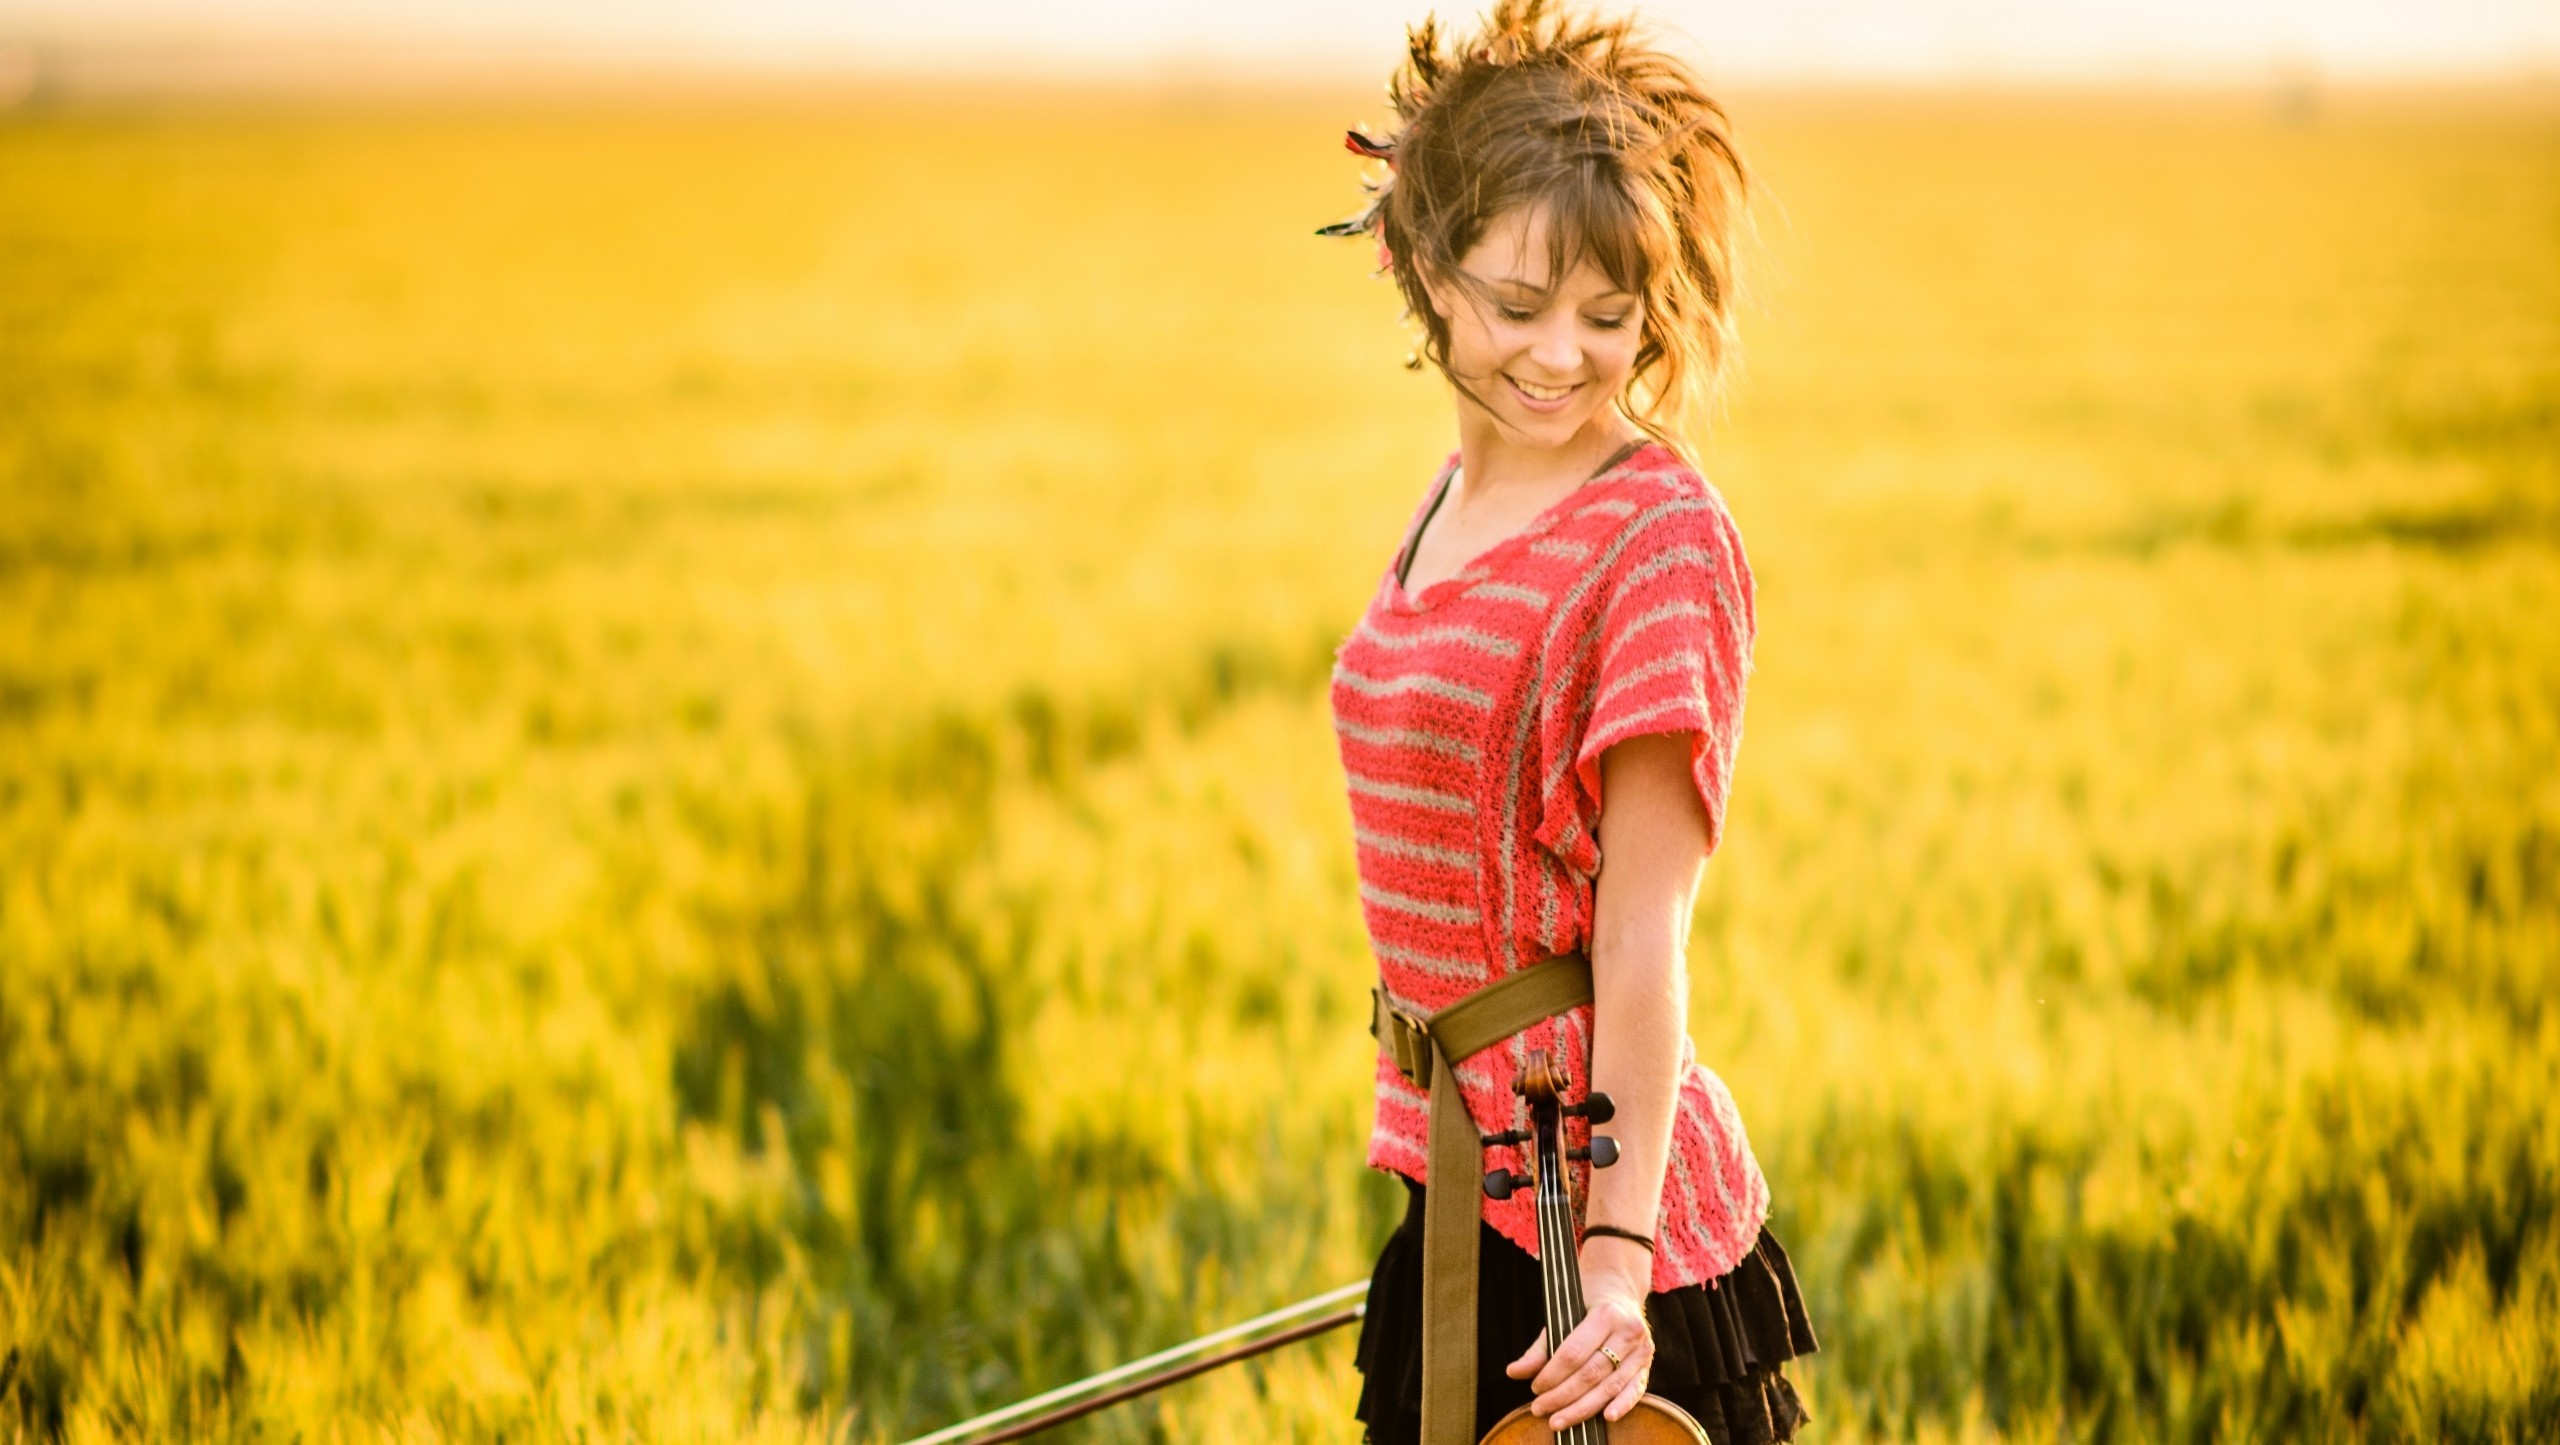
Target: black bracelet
{"x":1611,"y":1231}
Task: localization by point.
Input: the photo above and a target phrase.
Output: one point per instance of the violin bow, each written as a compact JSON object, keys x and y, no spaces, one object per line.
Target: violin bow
{"x":1165,"y":1367}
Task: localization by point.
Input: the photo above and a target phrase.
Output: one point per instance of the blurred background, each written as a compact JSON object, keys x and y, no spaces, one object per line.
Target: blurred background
{"x":663,"y":767}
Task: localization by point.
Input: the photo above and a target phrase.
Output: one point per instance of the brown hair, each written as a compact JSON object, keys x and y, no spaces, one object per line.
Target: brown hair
{"x":1619,"y":141}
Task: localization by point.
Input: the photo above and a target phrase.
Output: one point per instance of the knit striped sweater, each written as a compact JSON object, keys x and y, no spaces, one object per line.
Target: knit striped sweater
{"x":1471,"y":717}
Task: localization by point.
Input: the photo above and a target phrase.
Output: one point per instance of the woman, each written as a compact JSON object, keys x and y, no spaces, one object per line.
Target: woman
{"x":1537,"y":718}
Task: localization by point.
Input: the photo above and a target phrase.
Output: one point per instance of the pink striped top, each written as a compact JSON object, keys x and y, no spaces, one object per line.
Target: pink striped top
{"x":1471,"y":718}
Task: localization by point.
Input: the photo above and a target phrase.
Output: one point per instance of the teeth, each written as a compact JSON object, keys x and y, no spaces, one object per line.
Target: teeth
{"x":1540,"y":393}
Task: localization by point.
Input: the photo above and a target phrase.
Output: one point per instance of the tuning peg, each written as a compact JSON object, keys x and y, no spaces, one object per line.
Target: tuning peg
{"x":1507,"y":1136}
{"x":1595,"y":1108}
{"x":1602,"y":1153}
{"x":1498,"y":1183}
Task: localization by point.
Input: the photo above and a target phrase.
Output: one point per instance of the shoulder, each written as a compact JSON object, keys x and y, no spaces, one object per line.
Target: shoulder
{"x":1659,"y":515}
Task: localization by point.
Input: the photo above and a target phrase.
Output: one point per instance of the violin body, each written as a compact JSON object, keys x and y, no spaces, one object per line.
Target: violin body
{"x":1654,"y":1421}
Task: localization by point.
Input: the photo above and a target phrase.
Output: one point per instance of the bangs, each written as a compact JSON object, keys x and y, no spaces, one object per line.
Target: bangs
{"x":1592,"y":217}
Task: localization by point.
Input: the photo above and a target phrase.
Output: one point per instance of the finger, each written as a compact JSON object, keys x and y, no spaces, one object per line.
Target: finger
{"x":1581,"y":1407}
{"x":1530,"y":1359}
{"x":1627,"y":1397}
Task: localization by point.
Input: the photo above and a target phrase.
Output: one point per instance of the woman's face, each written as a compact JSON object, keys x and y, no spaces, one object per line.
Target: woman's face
{"x":1542,"y":362}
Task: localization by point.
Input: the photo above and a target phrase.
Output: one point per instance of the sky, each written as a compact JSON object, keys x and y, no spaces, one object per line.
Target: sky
{"x":1849,"y":40}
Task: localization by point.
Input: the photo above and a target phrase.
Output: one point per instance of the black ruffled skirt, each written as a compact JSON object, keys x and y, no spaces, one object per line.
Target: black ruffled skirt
{"x":1718,"y":1347}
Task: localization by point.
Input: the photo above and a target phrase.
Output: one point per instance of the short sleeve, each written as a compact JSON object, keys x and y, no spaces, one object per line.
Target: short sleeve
{"x":1667,"y":651}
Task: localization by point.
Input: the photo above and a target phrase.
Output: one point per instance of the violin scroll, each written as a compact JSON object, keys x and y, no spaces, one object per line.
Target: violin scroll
{"x":1542,"y":1084}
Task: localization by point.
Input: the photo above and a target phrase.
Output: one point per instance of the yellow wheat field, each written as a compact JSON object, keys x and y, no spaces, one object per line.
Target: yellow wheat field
{"x":663,"y":773}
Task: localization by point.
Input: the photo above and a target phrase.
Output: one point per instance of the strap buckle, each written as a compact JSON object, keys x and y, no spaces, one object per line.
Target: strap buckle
{"x":1405,"y":1035}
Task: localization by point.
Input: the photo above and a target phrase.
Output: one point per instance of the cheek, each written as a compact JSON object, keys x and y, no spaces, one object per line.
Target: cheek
{"x":1472,"y":339}
{"x":1614,"y":354}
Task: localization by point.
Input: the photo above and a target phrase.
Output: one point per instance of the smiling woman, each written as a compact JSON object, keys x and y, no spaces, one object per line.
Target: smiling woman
{"x":1538,"y":120}
{"x":1537,"y":719}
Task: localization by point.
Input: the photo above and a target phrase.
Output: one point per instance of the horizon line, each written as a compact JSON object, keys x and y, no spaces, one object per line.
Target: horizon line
{"x":351,"y":63}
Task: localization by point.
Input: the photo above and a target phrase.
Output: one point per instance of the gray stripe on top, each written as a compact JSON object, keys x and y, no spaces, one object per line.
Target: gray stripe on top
{"x":1438,"y":965}
{"x":1678,"y":607}
{"x":1456,"y":632}
{"x":1396,"y":847}
{"x":1427,"y":741}
{"x":1684,"y":555}
{"x":1419,"y":907}
{"x":1431,"y":798}
{"x":1669,"y":665}
{"x":1421,"y":682}
{"x":1642,"y":715}
{"x":1508,"y":592}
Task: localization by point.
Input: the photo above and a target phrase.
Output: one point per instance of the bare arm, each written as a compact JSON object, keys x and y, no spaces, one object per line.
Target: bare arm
{"x":1653,"y":835}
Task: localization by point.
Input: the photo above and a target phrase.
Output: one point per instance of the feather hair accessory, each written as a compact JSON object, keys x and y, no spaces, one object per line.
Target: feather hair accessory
{"x":1369,"y":217}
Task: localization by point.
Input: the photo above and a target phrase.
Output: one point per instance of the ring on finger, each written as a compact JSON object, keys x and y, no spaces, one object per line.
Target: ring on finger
{"x":1615,"y":1359}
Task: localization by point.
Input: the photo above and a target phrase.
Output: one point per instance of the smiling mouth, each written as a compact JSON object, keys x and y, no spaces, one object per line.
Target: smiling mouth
{"x":1536,"y":392}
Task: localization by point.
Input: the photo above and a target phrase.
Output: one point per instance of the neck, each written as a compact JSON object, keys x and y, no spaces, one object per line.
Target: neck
{"x":1494,"y":458}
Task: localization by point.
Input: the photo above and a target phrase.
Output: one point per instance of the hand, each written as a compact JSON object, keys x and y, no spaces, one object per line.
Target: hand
{"x":1579,"y":1382}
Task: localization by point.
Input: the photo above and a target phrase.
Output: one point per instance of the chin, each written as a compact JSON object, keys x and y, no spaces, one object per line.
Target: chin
{"x":1549,"y":432}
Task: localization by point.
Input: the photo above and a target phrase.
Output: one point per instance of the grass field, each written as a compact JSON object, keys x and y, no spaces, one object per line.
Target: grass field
{"x":663,"y":771}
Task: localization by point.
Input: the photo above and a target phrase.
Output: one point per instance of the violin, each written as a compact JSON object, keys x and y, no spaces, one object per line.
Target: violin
{"x":1654,"y":1420}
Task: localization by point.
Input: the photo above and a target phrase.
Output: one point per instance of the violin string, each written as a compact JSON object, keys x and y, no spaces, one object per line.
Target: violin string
{"x":1590,"y":1431}
{"x":1558,"y":1269}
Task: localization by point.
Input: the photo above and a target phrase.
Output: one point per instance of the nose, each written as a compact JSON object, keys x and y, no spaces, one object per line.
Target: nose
{"x":1556,"y":349}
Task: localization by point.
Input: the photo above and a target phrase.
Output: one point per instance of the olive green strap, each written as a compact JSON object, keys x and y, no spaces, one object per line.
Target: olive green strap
{"x":1449,"y":1265}
{"x":1423,"y":1051}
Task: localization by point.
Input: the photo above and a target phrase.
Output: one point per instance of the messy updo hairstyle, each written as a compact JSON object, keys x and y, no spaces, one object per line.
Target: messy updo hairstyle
{"x":1546,"y":107}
